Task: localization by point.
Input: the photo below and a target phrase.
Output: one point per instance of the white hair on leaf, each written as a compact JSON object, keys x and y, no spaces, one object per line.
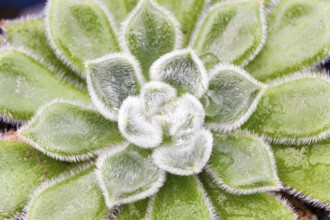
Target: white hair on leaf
{"x":154,"y":95}
{"x":184,"y":69}
{"x":110,"y":84}
{"x":136,"y":127}
{"x":185,"y":156}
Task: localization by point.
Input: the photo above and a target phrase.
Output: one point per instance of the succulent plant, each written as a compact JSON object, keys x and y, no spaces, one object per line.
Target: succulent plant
{"x":165,"y":109}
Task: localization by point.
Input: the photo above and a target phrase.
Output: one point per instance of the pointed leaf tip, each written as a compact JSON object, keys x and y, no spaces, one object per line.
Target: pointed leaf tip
{"x":111,"y":79}
{"x":232,"y":97}
{"x":71,"y":132}
{"x":80,"y":31}
{"x":128,"y":176}
{"x":149,"y":32}
{"x":183,"y":70}
{"x":231,"y":32}
{"x":242,"y":164}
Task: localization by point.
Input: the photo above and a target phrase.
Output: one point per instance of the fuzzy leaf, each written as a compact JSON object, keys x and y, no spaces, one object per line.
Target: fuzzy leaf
{"x":255,"y":206}
{"x":149,"y":32}
{"x":183,"y":115}
{"x":231,"y":32}
{"x":186,"y":12}
{"x":72,"y":198}
{"x":22,"y":169}
{"x":133,"y":211}
{"x":31,"y":34}
{"x":294,"y":110}
{"x":306,"y":169}
{"x":242,"y":164}
{"x":136,"y":127}
{"x":185,"y":156}
{"x":79,"y":31}
{"x":26,"y":84}
{"x":183,"y":70}
{"x":180,"y":198}
{"x":71,"y":132}
{"x":120,"y":8}
{"x":111,"y":79}
{"x":128,"y":176}
{"x":232,"y":97}
{"x":155,"y":95}
{"x":298,"y":36}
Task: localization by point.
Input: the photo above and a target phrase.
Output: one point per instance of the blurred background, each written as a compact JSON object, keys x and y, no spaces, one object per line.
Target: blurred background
{"x":17,"y":8}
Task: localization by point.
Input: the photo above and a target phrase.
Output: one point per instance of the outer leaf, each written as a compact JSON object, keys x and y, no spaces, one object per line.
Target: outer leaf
{"x":231,"y":32}
{"x":155,"y":95}
{"x":71,"y":132}
{"x":183,"y":116}
{"x":185,"y":156}
{"x":74,"y":197}
{"x":255,"y":206}
{"x":133,"y":211}
{"x":242,"y":164}
{"x":187,"y":13}
{"x":31,"y":34}
{"x":27,"y":83}
{"x":183,"y":70}
{"x":232,"y":97}
{"x":136,"y":127}
{"x":294,"y":110}
{"x":128,"y":176}
{"x":149,"y":32}
{"x":299,"y":35}
{"x":180,"y":198}
{"x":22,"y":169}
{"x":111,"y":79}
{"x":120,"y":8}
{"x":79,"y":31}
{"x":296,"y":164}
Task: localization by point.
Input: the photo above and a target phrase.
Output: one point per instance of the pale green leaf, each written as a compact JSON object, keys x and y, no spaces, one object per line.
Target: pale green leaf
{"x":111,"y":79}
{"x":69,"y":198}
{"x":183,"y":70}
{"x":31,"y":34}
{"x":136,"y":126}
{"x":186,"y":12}
{"x":155,"y":95}
{"x":242,"y":164}
{"x":120,"y":8}
{"x":232,"y":97}
{"x":306,"y":169}
{"x":231,"y":32}
{"x":247,"y":207}
{"x":180,"y":198}
{"x":79,"y":31}
{"x":294,"y":110}
{"x":185,"y":156}
{"x":182,"y":116}
{"x":149,"y":32}
{"x":128,"y":176}
{"x":71,"y":132}
{"x":26,"y":84}
{"x":22,"y":170}
{"x":298,"y":36}
{"x":133,"y":211}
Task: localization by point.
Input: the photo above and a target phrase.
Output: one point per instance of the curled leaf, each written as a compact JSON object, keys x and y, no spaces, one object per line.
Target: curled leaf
{"x":185,"y":156}
{"x":136,"y":127}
